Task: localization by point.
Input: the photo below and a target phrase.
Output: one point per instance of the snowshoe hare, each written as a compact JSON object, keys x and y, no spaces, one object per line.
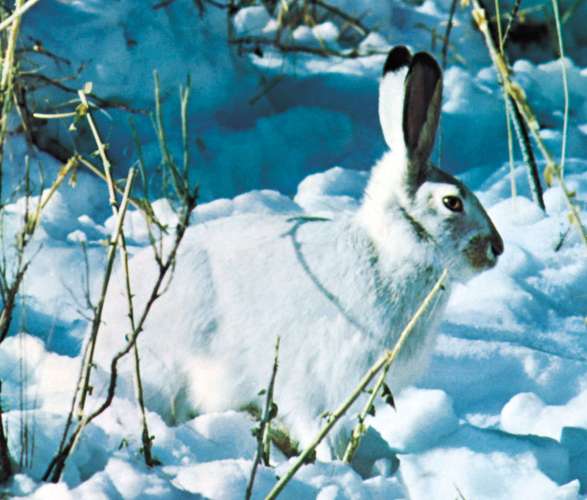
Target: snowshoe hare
{"x":338,"y":292}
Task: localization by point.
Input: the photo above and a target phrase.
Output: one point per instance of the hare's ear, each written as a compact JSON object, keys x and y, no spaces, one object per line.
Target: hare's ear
{"x":421,"y":108}
{"x":391,"y":96}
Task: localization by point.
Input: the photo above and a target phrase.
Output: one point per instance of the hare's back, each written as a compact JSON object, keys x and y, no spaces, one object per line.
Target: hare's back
{"x":240,"y":279}
{"x":269,"y":272}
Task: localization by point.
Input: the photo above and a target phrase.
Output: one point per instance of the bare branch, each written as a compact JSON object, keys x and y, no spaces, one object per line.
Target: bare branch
{"x":58,"y":463}
{"x":518,"y":95}
{"x":100,"y":102}
{"x":17,"y":14}
{"x":263,"y":431}
{"x":5,"y":462}
{"x":319,"y":51}
{"x":353,"y":21}
{"x":84,"y":387}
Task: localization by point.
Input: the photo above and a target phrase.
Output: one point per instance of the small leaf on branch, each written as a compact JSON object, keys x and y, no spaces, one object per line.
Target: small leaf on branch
{"x":548,"y":174}
{"x":388,"y":396}
{"x":273,"y":410}
{"x":572,"y":218}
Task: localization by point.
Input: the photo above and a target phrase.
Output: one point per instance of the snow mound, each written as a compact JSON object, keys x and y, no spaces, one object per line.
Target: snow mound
{"x":422,"y":418}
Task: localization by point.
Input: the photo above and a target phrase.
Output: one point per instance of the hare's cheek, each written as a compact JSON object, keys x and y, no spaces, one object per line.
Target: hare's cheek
{"x":478,"y":253}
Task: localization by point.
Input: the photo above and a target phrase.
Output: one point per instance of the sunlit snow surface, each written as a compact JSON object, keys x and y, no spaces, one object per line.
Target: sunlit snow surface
{"x":502,"y":411}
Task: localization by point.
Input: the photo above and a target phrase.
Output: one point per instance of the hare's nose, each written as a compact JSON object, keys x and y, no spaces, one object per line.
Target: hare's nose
{"x":497,"y":245}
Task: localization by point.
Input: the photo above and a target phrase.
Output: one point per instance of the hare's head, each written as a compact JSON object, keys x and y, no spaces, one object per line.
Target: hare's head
{"x":439,"y":210}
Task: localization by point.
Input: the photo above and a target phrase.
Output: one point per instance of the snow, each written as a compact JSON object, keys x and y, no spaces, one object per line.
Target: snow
{"x":481,"y":475}
{"x":332,"y":191}
{"x":500,"y":411}
{"x":322,"y":35}
{"x":526,"y":413}
{"x":326,"y":32}
{"x":421,"y":419}
{"x":251,"y":20}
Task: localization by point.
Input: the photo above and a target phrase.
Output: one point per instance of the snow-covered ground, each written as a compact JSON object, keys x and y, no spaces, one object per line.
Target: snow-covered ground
{"x":502,"y":411}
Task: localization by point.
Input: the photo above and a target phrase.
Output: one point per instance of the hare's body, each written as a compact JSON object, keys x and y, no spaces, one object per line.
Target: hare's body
{"x":322,"y":286}
{"x":337,"y":292}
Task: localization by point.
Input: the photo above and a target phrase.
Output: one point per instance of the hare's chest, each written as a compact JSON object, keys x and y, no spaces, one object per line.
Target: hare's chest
{"x":406,"y":315}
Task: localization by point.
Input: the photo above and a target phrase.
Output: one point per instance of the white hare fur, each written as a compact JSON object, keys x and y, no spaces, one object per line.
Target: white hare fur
{"x":337,"y":292}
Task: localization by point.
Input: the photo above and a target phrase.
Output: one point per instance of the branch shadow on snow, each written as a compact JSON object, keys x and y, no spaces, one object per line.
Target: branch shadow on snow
{"x":298,"y":222}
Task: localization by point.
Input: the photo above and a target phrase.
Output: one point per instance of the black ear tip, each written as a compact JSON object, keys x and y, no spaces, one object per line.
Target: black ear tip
{"x":398,"y":57}
{"x":425,"y":60}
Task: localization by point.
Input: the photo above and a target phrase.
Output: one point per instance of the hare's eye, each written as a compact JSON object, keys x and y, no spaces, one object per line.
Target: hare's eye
{"x":453,"y":203}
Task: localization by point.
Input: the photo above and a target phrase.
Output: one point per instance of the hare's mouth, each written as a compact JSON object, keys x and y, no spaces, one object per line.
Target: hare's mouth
{"x":481,"y":254}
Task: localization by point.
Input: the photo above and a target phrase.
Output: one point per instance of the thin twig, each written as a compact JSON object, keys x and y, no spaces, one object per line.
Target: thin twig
{"x":570,"y":12}
{"x":459,"y":492}
{"x":84,"y":386}
{"x":5,"y":462}
{"x":500,"y":39}
{"x":515,"y":105}
{"x":107,"y":174}
{"x":100,"y":102}
{"x":446,"y":38}
{"x":360,"y":429}
{"x":353,"y":21}
{"x":263,"y":431}
{"x":180,"y":186}
{"x":11,"y":294}
{"x":507,"y":101}
{"x":162,"y":4}
{"x":55,"y":468}
{"x":54,"y":116}
{"x":504,"y":75}
{"x":168,"y":160}
{"x":119,"y":215}
{"x":58,"y":463}
{"x":138,"y":204}
{"x":140,"y":157}
{"x":101,"y":151}
{"x":69,"y":166}
{"x":518,"y":95}
{"x":319,"y":51}
{"x":21,"y":8}
{"x":385,"y":359}
{"x":445,"y":45}
{"x":24,"y":236}
{"x":184,"y":99}
{"x":437,"y":37}
{"x":7,"y":82}
{"x":8,"y":63}
{"x":38,"y":48}
{"x":146,"y":437}
{"x":89,"y":355}
{"x":513,"y":17}
{"x":527,"y":153}
{"x":266,"y":87}
{"x":508,"y":122}
{"x":561,"y":50}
